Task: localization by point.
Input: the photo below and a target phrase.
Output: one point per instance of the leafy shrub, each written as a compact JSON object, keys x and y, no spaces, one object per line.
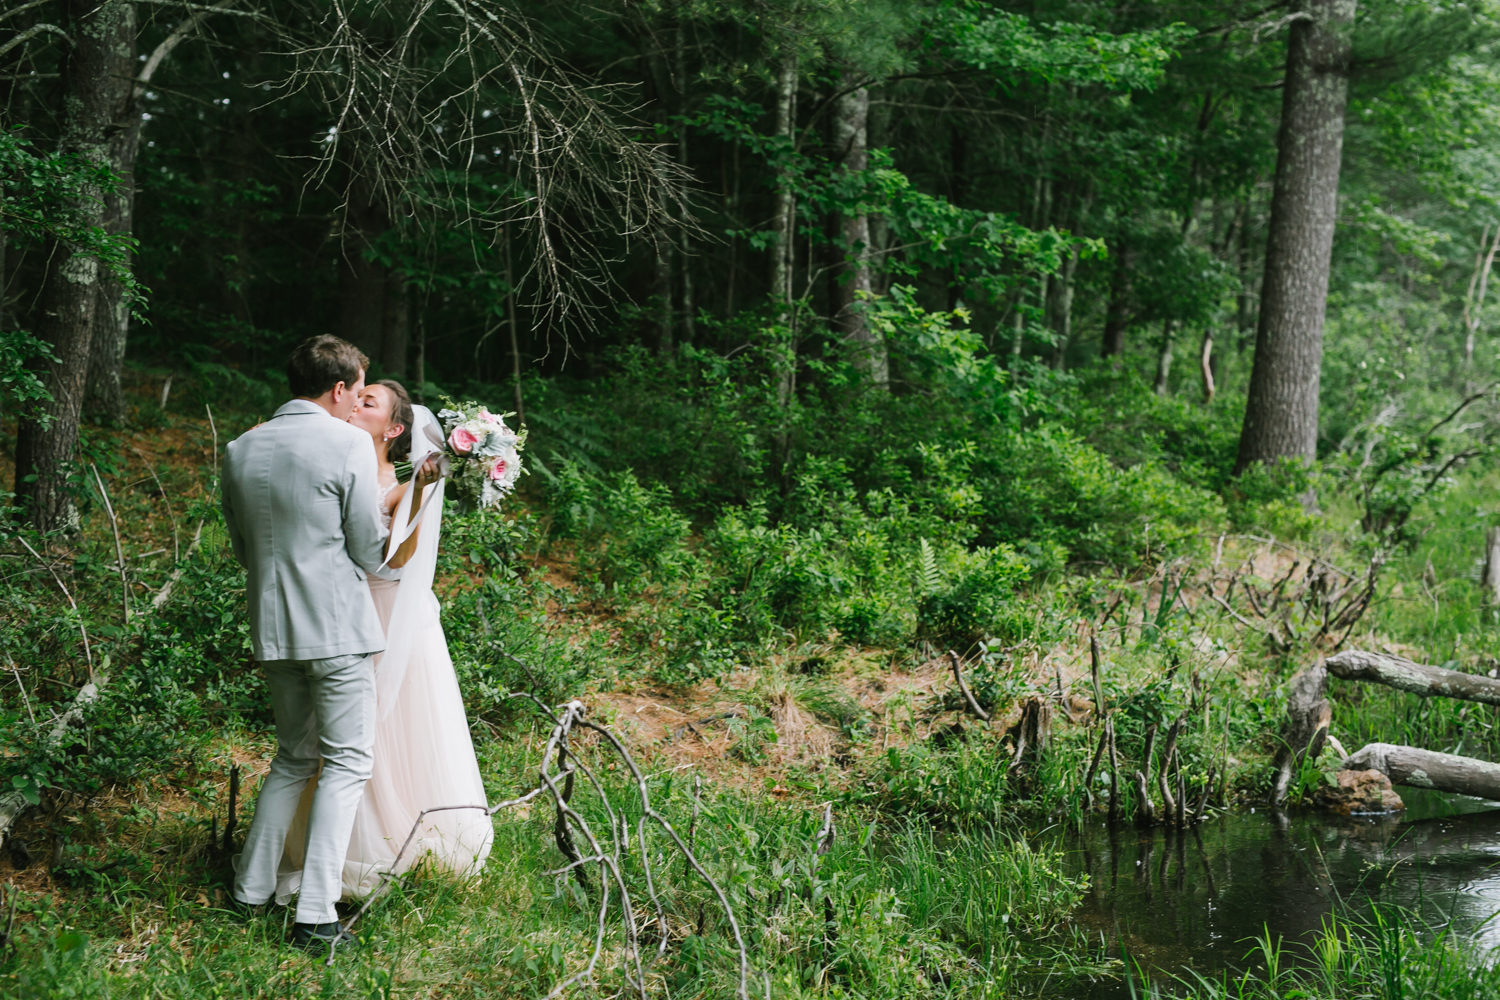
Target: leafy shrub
{"x":1048,"y":486}
{"x":975,"y":599}
{"x":629,"y":535}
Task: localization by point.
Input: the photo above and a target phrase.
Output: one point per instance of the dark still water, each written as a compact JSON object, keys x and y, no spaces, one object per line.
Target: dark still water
{"x":1191,"y":900}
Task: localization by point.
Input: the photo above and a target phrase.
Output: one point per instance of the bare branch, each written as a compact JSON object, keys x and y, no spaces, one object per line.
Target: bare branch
{"x":31,"y":33}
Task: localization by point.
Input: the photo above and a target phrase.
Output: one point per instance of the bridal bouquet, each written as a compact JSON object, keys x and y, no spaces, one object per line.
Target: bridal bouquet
{"x":484,"y":454}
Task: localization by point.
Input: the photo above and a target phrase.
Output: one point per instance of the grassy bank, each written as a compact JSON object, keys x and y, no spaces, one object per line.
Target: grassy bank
{"x":761,"y":660}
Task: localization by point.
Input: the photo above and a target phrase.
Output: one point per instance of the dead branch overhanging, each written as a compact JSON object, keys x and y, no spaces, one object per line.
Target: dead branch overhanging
{"x":574,"y":170}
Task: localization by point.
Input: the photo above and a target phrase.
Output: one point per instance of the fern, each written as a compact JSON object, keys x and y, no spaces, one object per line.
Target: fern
{"x":929,"y":577}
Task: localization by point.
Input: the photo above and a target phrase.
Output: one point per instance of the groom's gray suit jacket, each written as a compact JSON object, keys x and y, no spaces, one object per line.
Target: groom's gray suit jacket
{"x":299,"y":496}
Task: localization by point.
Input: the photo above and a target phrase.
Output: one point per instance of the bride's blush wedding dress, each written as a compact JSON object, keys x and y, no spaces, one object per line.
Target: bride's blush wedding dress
{"x":424,"y":757}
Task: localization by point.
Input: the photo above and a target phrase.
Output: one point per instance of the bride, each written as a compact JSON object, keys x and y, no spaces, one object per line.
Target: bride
{"x":424,"y":757}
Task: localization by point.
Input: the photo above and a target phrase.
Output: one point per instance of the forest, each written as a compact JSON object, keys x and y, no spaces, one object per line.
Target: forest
{"x":1005,"y":484}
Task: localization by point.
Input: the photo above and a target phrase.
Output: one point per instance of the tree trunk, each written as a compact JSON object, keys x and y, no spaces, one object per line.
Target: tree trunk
{"x":1164,"y":355}
{"x":1117,"y":313}
{"x":1244,"y":314}
{"x":1060,"y":308}
{"x":1206,"y":366}
{"x":46,"y":444}
{"x":515,"y":334}
{"x":361,"y":280}
{"x":396,"y":325}
{"x":1491,"y":575}
{"x":1281,"y":415}
{"x":685,"y":247}
{"x":104,"y":398}
{"x":782,"y":256}
{"x":662,"y":297}
{"x":4,"y":285}
{"x":851,"y":116}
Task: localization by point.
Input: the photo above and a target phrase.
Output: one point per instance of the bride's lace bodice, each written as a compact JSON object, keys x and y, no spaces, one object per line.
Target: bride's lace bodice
{"x":385,"y":512}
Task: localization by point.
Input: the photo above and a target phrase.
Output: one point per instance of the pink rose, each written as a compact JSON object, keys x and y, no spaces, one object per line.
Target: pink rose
{"x":486,"y":415}
{"x":462,"y":440}
{"x":500,"y":469}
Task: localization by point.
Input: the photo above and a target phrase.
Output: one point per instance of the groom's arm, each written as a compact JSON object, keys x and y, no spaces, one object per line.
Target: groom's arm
{"x":364,"y":538}
{"x":231,"y":522}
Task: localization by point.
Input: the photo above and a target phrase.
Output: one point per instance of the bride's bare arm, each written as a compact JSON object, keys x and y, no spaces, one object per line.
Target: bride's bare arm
{"x":425,"y":477}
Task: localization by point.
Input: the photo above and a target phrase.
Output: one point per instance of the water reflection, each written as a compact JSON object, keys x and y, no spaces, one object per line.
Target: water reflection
{"x":1190,"y":900}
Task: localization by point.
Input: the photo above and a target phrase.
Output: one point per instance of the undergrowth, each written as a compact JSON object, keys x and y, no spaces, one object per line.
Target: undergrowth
{"x":815,"y":600}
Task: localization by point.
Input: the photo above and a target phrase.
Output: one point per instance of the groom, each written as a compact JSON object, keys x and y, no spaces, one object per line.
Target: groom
{"x":299,"y":497}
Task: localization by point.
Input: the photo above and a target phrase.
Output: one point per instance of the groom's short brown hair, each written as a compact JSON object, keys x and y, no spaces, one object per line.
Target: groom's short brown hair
{"x":319,"y":363}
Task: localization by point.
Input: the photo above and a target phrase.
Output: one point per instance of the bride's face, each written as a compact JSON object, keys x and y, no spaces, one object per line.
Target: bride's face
{"x":372,"y":414}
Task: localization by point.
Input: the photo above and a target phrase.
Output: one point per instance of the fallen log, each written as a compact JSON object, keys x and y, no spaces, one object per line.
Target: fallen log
{"x":1417,"y":768}
{"x":1418,"y":678}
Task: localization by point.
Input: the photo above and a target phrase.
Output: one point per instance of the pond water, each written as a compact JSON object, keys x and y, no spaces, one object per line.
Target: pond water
{"x":1191,"y":900}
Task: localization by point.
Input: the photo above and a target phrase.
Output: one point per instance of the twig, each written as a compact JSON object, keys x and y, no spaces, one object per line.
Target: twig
{"x":176,"y":543}
{"x":958,"y":675}
{"x":1114,"y":773}
{"x":25,"y":699}
{"x":166,"y":590}
{"x":87,"y":652}
{"x":114,"y":525}
{"x":1099,"y":708}
{"x":828,"y":832}
{"x":215,"y":430}
{"x":1088,"y":777}
{"x":693,"y":822}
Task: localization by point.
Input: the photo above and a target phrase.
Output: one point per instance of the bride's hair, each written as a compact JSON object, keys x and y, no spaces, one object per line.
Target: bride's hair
{"x":399,"y":450}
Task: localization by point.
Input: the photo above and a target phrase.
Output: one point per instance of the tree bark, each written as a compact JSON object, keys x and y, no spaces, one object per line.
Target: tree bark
{"x":104,"y":397}
{"x":1117,"y":313}
{"x":46,"y":444}
{"x":1417,"y":768}
{"x":1418,"y":678}
{"x":1206,"y":367}
{"x":851,"y":117}
{"x":1244,"y":306}
{"x":685,"y":245}
{"x":362,"y":281}
{"x":782,"y":256}
{"x":395,"y":325}
{"x":1491,"y":576}
{"x":1060,"y":308}
{"x":1164,"y":355}
{"x":1281,"y":415}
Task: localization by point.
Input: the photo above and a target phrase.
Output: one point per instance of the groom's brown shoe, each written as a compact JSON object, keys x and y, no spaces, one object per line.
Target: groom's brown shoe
{"x":317,"y":938}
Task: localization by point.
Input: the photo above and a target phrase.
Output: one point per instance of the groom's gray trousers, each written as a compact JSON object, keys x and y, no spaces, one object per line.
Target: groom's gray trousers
{"x":324,"y":709}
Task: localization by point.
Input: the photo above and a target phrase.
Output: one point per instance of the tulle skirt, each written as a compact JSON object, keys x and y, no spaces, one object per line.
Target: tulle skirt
{"x":424,"y":758}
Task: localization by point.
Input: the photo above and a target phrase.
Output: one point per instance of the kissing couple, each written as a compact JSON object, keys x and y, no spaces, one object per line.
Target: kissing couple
{"x":370,"y":725}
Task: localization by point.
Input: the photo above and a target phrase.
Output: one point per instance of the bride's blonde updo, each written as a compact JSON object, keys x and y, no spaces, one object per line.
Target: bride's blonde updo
{"x":399,"y":449}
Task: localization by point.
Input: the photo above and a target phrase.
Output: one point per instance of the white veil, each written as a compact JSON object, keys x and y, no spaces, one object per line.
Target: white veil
{"x":416,"y":608}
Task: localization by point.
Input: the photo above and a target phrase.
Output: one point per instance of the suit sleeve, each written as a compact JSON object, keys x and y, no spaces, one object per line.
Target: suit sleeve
{"x":231,"y":522}
{"x":363,"y":535}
